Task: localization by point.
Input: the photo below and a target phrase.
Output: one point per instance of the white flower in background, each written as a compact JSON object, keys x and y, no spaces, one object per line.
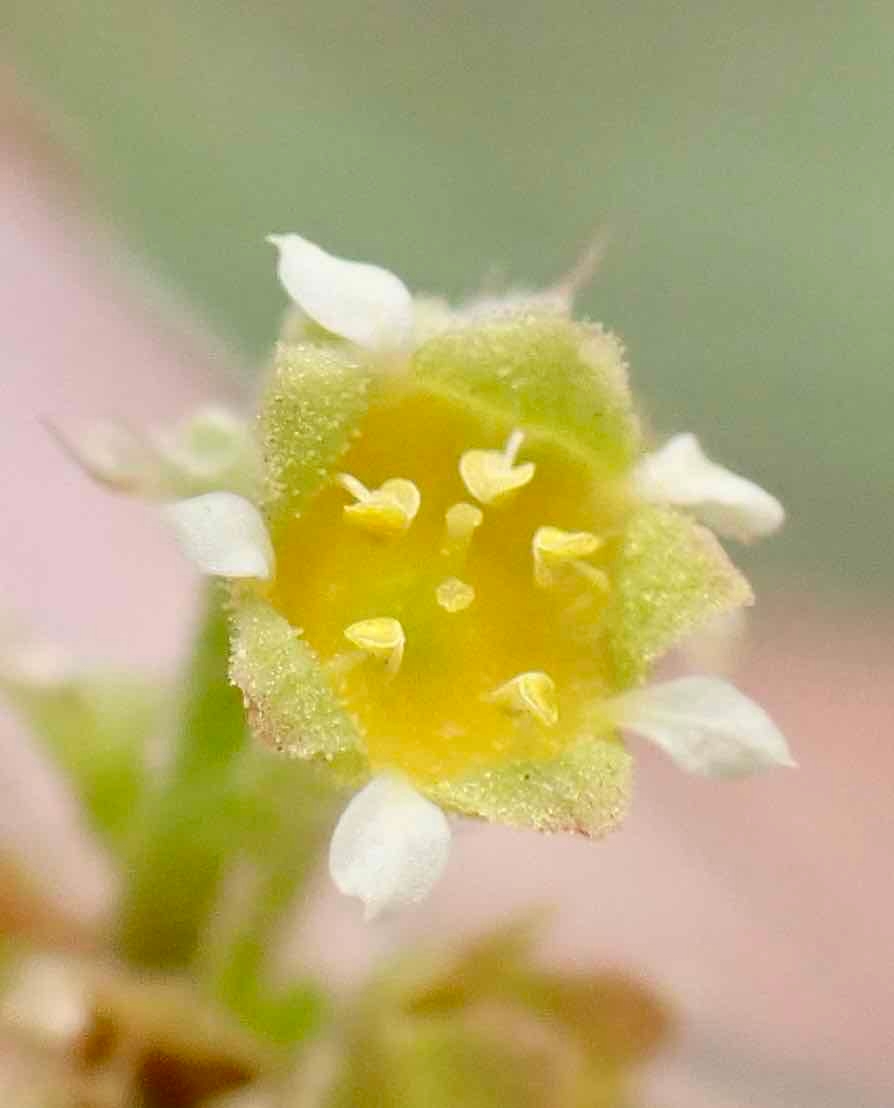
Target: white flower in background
{"x":211,"y":450}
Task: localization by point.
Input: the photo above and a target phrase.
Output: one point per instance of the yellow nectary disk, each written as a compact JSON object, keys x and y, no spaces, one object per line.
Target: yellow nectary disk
{"x":512,"y":677}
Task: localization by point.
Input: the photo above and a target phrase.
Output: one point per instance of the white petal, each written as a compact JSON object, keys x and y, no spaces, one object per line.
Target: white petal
{"x":680,"y":474}
{"x":224,"y":534}
{"x":705,"y":725}
{"x":390,"y":845}
{"x":360,"y":302}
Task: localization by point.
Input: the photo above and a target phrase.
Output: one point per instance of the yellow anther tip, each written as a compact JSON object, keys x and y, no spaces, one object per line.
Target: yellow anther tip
{"x":532,"y":694}
{"x":489,"y":478}
{"x":388,"y":510}
{"x":462,"y":519}
{"x":556,"y":546}
{"x":492,"y":475}
{"x":379,"y":517}
{"x":404,"y":493}
{"x":454,"y":595}
{"x":553,"y":548}
{"x":382,"y":637}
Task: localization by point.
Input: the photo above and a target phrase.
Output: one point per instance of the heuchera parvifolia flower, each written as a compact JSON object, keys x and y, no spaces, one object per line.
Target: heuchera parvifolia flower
{"x":462,"y":567}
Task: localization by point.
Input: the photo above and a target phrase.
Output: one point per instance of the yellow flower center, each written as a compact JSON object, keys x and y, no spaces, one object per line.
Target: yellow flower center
{"x":459,"y":635}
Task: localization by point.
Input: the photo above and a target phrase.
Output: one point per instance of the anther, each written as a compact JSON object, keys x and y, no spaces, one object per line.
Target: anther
{"x":554,"y":549}
{"x":529,"y":694}
{"x":454,"y":595}
{"x":462,"y":521}
{"x":492,"y":475}
{"x":382,"y":638}
{"x":385,"y":511}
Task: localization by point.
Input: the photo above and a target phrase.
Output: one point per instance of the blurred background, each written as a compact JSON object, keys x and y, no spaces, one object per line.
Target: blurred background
{"x":742,"y":158}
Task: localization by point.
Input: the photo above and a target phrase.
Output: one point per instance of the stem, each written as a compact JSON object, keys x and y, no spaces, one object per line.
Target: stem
{"x":185,"y":835}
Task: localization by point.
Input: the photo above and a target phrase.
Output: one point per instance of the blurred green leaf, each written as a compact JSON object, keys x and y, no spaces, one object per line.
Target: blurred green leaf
{"x":437,"y":1064}
{"x":96,"y":727}
{"x":285,"y":821}
{"x":482,"y":1024}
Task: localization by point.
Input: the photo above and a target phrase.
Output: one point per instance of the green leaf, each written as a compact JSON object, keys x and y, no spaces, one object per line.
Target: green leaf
{"x":95,"y":726}
{"x":286,"y":818}
{"x":481,"y":1024}
{"x":438,"y":1064}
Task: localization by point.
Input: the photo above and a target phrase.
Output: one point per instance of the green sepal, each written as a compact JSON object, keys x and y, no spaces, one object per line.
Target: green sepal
{"x":313,"y":402}
{"x":555,"y":379}
{"x":670,"y":578}
{"x":288,"y":698}
{"x":584,"y":790}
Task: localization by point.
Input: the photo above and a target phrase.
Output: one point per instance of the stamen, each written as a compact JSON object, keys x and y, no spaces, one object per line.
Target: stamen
{"x":462,"y":521}
{"x":594,"y":576}
{"x":381,"y":638}
{"x":530,"y":694}
{"x":554,"y":549}
{"x":386,"y":511}
{"x":454,"y":595}
{"x":513,"y":445}
{"x":492,"y":475}
{"x":356,"y":488}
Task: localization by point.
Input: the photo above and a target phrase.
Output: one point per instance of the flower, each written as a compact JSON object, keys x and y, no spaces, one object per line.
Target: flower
{"x":461,"y":568}
{"x":211,"y":450}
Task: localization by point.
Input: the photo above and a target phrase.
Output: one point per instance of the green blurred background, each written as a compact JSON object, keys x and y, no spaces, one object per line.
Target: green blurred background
{"x":742,"y":155}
